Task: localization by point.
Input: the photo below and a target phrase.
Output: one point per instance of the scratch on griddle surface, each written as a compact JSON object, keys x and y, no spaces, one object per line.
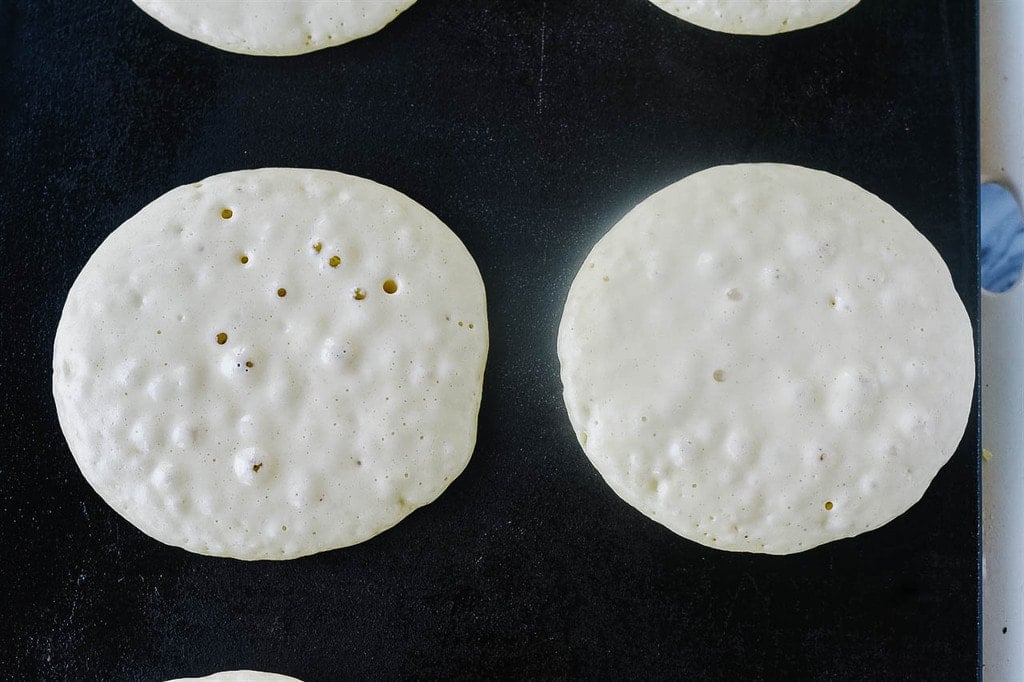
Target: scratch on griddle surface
{"x":543,"y":56}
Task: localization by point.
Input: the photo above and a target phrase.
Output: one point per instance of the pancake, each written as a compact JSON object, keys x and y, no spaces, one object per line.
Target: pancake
{"x":272,"y":363}
{"x":765,"y":358}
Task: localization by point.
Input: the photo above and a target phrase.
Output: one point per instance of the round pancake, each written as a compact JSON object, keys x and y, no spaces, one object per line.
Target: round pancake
{"x":241,"y":676}
{"x":274,"y":28}
{"x":272,"y":363}
{"x":756,"y":17}
{"x":765,"y":358}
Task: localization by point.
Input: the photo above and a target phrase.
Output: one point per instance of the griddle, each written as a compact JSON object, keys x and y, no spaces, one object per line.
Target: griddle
{"x":529,"y":127}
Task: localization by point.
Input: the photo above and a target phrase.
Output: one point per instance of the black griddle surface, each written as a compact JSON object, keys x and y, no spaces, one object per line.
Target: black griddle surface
{"x":529,"y":127}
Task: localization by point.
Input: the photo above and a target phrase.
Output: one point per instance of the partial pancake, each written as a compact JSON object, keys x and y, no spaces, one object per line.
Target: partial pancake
{"x":274,"y":28}
{"x":756,"y":17}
